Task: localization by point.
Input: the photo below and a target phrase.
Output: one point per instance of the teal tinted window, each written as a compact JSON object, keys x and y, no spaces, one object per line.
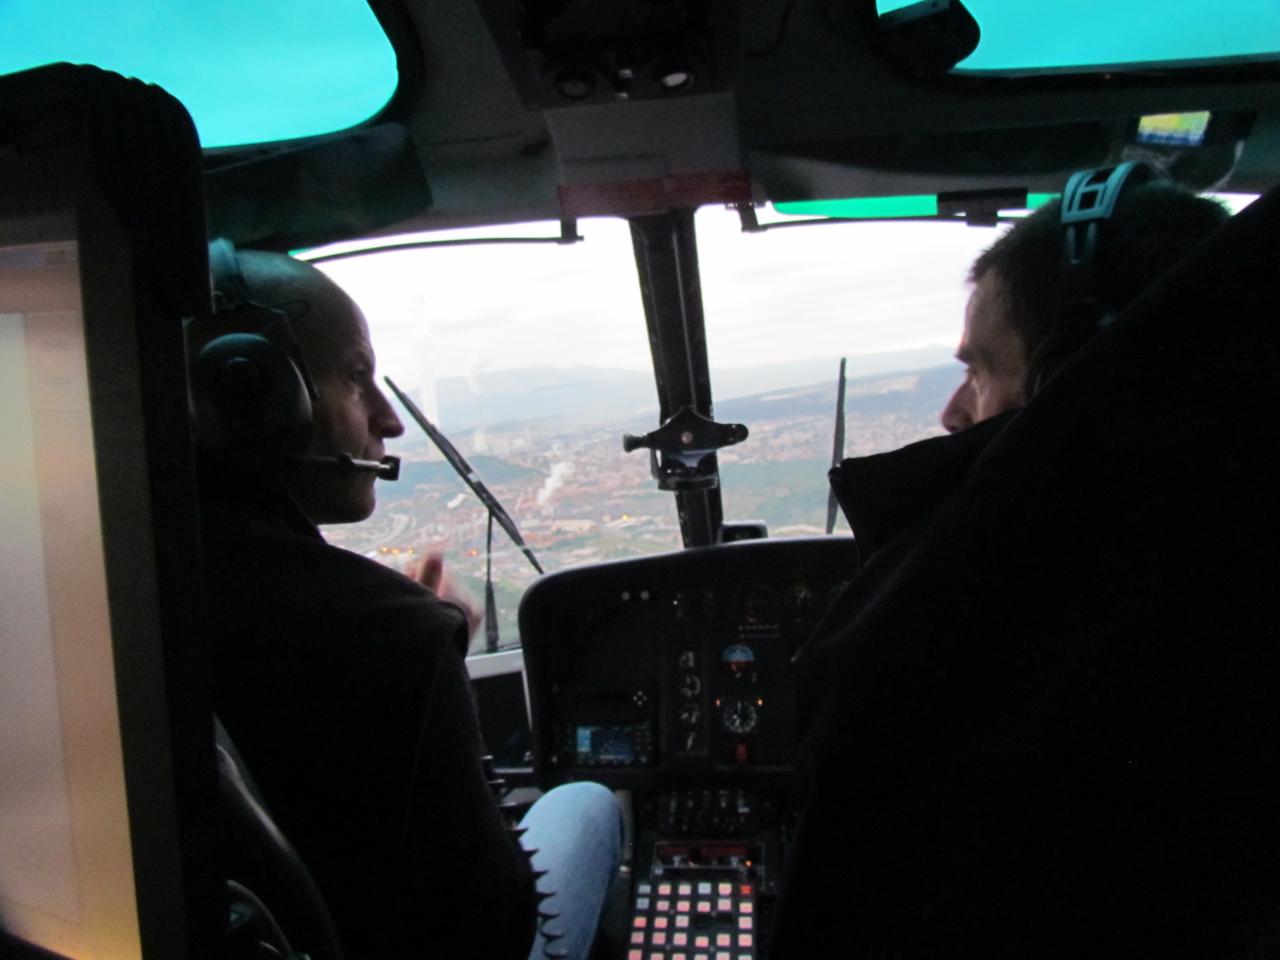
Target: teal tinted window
{"x":1022,"y":35}
{"x":247,"y":71}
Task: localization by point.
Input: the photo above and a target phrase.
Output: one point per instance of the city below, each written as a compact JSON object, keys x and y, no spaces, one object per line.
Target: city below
{"x":578,"y":498}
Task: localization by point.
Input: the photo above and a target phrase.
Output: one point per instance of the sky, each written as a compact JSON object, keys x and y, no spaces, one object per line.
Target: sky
{"x":787,"y":294}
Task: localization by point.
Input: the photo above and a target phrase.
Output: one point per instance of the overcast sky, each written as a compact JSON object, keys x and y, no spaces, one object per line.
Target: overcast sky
{"x":795,"y":293}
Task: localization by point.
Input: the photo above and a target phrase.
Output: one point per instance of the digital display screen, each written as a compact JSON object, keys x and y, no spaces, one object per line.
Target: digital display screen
{"x":1174,"y":129}
{"x":608,"y":745}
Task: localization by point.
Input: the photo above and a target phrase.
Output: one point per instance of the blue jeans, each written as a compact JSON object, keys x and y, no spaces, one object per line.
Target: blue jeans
{"x":576,"y":830}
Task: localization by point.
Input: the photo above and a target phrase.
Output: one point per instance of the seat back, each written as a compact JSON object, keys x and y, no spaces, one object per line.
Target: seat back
{"x":274,"y":898}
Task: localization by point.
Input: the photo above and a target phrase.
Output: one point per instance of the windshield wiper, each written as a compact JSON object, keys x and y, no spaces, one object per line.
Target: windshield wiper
{"x":466,"y":472}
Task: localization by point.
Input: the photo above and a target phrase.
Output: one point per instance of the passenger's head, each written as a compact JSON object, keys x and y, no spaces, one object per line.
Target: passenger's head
{"x":1015,"y":287}
{"x":350,"y":415}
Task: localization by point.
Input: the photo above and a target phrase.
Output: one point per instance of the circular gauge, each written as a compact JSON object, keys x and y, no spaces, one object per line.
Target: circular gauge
{"x":738,"y":658}
{"x":740,"y":717}
{"x":799,"y":600}
{"x":690,"y":714}
{"x":690,"y":685}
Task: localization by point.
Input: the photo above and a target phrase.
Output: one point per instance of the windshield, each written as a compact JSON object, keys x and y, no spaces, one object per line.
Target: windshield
{"x":784,"y":306}
{"x":534,"y":360}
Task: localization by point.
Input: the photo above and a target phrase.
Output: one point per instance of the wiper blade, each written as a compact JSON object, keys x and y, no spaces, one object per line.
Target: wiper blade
{"x":466,"y":472}
{"x":837,"y":451}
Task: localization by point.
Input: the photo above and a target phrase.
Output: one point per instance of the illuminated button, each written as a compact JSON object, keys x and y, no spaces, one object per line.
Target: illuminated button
{"x":724,"y":940}
{"x":660,"y":923}
{"x":657,"y":955}
{"x":723,"y":955}
{"x":701,"y":941}
{"x":635,"y":955}
{"x":637,"y":937}
{"x":663,"y":906}
{"x":746,"y":940}
{"x":704,"y":906}
{"x":644,"y":889}
{"x":682,"y":906}
{"x":724,"y":905}
{"x":745,"y":889}
{"x":700,"y":956}
{"x":640,"y":922}
{"x":745,"y":923}
{"x":664,"y":889}
{"x":679,"y":956}
{"x":724,"y":889}
{"x":642,"y":903}
{"x":682,"y":922}
{"x":704,"y":889}
{"x":680,"y":939}
{"x":660,"y":939}
{"x":686,"y":889}
{"x":746,"y":906}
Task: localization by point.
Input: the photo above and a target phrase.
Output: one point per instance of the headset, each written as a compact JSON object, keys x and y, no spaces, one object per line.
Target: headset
{"x":1088,"y":201}
{"x":252,"y":397}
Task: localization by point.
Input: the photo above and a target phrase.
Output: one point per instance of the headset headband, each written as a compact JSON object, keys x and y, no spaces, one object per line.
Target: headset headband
{"x":1088,"y":201}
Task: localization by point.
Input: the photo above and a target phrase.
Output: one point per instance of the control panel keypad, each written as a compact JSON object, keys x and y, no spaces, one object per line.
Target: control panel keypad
{"x":699,"y":918}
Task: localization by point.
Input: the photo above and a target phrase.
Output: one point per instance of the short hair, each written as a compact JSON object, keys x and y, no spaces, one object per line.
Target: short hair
{"x":1153,"y":227}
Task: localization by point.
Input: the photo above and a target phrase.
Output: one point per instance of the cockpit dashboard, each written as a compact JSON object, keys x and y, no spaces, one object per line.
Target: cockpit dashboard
{"x":672,"y":678}
{"x":675,"y":669}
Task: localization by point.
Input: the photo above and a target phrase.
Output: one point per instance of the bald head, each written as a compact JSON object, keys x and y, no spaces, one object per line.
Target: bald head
{"x":350,"y":414}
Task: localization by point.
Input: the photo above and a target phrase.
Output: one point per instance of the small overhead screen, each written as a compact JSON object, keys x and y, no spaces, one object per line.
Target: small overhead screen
{"x":1174,"y":129}
{"x":66,"y":862}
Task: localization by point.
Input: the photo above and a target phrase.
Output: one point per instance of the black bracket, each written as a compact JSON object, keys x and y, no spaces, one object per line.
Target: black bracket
{"x":686,"y":442}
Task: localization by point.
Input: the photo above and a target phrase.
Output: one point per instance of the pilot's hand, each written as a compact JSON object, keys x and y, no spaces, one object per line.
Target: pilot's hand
{"x":430,"y":573}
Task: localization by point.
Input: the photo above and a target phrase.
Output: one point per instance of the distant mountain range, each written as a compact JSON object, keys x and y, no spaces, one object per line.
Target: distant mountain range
{"x":497,"y":399}
{"x":911,"y":393}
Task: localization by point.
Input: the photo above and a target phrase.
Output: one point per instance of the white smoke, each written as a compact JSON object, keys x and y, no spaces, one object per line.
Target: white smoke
{"x":560,"y":472}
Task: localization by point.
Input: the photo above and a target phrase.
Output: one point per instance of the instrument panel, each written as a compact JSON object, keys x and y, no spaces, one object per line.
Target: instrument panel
{"x":673,"y":669}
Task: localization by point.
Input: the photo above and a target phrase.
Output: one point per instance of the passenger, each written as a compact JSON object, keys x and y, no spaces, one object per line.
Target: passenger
{"x":1008,"y":318}
{"x":1021,"y":735}
{"x":343,"y":684}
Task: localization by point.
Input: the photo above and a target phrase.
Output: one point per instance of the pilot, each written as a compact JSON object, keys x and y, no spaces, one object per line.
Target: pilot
{"x":341,"y":681}
{"x":1011,"y":308}
{"x":1029,"y":726}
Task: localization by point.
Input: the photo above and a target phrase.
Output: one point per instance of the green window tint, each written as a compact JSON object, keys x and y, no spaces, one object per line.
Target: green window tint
{"x":247,"y":71}
{"x":1023,"y":35}
{"x":873,"y":208}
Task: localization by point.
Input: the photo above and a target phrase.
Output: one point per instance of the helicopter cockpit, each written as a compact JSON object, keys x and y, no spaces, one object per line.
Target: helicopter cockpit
{"x":648,"y":269}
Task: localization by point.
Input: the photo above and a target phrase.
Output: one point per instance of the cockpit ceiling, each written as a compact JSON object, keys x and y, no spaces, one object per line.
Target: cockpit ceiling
{"x":500,"y":105}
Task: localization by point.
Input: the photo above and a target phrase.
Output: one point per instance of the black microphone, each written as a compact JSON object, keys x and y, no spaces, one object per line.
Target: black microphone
{"x":388,"y":468}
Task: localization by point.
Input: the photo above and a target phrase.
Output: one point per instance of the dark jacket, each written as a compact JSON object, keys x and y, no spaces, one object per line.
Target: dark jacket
{"x":343,"y":684}
{"x":1044,"y":720}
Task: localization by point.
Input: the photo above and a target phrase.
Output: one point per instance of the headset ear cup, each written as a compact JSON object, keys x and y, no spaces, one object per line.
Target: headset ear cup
{"x":249,"y":401}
